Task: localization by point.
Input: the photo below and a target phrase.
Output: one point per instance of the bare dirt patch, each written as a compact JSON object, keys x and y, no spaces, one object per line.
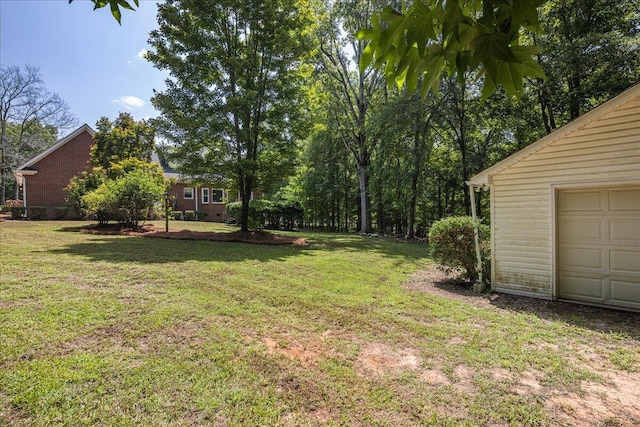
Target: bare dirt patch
{"x":377,"y":359}
{"x":151,"y":231}
{"x":294,"y":351}
{"x":614,"y":400}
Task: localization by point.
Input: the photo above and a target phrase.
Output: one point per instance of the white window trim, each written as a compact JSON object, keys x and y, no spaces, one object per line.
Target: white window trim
{"x":184,"y":193}
{"x":205,"y":196}
{"x":221,"y":202}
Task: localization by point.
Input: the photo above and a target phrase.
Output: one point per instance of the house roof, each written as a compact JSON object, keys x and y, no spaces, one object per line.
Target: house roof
{"x":168,"y":171}
{"x":54,"y":147}
{"x":614,"y":103}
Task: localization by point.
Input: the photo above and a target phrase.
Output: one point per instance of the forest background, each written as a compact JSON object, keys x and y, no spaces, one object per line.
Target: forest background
{"x":357,"y":141}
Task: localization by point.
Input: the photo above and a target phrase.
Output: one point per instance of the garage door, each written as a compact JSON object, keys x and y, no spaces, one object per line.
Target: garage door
{"x":599,"y":246}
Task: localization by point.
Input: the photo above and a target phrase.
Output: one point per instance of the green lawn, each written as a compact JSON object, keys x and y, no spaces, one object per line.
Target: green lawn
{"x":112,"y":330}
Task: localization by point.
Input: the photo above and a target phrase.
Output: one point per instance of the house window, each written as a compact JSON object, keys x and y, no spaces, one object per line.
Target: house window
{"x":217,"y":196}
{"x":205,"y":195}
{"x":187,"y":193}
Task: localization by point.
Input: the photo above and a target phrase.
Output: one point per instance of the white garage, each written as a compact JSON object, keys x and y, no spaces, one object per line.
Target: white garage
{"x":565,"y":211}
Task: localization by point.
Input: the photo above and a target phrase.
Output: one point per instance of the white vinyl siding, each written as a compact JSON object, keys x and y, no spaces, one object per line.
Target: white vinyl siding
{"x":604,"y":153}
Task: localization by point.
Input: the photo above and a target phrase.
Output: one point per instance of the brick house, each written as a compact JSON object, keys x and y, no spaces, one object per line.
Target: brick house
{"x":44,"y":177}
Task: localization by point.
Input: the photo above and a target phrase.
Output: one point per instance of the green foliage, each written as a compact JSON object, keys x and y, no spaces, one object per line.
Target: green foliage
{"x":177,"y":215}
{"x":120,"y":140}
{"x":429,"y":38}
{"x":60,"y":212}
{"x":17,"y":212}
{"x":452,"y":244}
{"x":235,"y":105}
{"x":263,"y":213}
{"x":79,"y":186}
{"x":37,"y":212}
{"x":115,"y":6}
{"x":129,"y":197}
{"x":189,"y":215}
{"x":589,"y":54}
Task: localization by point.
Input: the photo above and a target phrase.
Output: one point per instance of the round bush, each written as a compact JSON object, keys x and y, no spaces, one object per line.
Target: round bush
{"x":452,"y":245}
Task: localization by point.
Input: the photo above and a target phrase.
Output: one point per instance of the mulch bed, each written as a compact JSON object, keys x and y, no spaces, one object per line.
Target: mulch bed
{"x":151,"y":231}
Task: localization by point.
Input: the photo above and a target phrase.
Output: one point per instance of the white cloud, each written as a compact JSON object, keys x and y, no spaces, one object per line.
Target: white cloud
{"x":129,"y":102}
{"x":142,"y":53}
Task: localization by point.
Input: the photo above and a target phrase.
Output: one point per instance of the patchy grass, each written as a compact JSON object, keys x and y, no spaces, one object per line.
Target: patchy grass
{"x":117,"y":330}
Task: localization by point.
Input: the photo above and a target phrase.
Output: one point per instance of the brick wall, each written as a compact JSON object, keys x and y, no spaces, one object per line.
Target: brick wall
{"x":46,"y":187}
{"x":215,"y":211}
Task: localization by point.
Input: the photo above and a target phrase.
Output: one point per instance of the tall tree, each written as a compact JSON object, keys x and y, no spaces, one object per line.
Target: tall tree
{"x":590,"y":52}
{"x":25,"y":141}
{"x":352,"y":92}
{"x":121,"y":139}
{"x":235,"y":101}
{"x":24,"y":100}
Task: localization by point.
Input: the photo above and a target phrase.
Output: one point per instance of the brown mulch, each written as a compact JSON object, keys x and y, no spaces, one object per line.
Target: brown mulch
{"x":151,"y":231}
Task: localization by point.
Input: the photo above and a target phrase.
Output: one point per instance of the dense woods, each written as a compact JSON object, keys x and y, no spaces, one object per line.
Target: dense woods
{"x":413,"y":154}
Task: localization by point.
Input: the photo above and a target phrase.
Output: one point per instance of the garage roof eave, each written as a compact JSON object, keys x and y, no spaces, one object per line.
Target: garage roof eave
{"x":484,"y":177}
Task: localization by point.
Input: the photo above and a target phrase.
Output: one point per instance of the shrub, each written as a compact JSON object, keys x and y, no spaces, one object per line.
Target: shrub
{"x":4,"y":208}
{"x":81,"y":185}
{"x":16,"y":208}
{"x":128,"y":197}
{"x":37,"y":212}
{"x":200,"y":216}
{"x":177,"y":215}
{"x":17,"y":212}
{"x":189,"y":215}
{"x":60,"y":212}
{"x":452,"y":245}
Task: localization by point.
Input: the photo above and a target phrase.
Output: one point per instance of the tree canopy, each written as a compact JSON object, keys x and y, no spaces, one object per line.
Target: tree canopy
{"x":115,"y":6}
{"x":234,"y":105}
{"x":121,"y":139}
{"x":430,"y":37}
{"x":30,"y":117}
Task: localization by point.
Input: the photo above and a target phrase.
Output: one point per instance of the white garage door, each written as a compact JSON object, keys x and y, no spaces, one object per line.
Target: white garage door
{"x":599,"y":246}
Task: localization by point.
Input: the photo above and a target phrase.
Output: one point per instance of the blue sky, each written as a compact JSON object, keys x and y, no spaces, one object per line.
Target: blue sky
{"x":85,"y":56}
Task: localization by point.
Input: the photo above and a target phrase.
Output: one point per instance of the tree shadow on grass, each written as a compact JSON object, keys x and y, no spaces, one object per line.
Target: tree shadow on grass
{"x":136,"y":249}
{"x":598,"y":319}
{"x":119,"y":249}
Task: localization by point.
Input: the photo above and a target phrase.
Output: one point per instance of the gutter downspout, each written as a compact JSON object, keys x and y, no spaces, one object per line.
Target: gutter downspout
{"x":479,"y":286}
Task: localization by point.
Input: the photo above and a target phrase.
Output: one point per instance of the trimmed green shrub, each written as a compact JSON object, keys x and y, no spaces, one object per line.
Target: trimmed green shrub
{"x":177,"y":215}
{"x":60,"y":212}
{"x":200,"y":215}
{"x":4,"y":208}
{"x":189,"y":215}
{"x":452,"y":245}
{"x":37,"y":212}
{"x":17,"y":212}
{"x":134,"y":191}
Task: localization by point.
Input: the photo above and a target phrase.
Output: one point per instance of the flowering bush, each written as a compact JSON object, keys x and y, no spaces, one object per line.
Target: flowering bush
{"x":14,"y":203}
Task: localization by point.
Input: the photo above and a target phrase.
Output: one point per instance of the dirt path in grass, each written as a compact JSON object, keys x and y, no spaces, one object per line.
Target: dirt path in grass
{"x":614,"y":401}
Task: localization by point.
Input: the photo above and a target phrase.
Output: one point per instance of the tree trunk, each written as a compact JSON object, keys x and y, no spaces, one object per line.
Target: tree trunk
{"x":365,"y":214}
